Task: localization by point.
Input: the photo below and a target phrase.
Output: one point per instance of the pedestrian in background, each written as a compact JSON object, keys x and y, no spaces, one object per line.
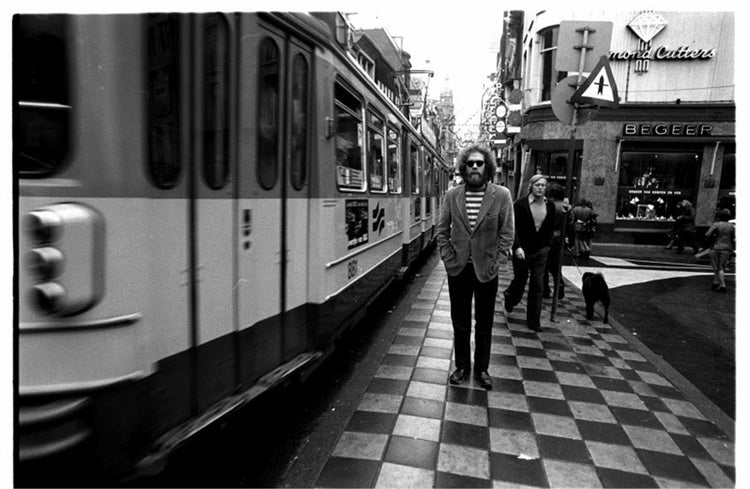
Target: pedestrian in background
{"x":684,"y":228}
{"x":535,"y":223}
{"x":583,"y":221}
{"x":474,"y":235}
{"x":722,"y":237}
{"x":556,"y":194}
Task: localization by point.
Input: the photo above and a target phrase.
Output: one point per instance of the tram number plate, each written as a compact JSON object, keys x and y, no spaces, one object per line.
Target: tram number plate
{"x":352,"y":269}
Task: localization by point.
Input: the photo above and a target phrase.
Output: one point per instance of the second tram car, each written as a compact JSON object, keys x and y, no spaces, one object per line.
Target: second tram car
{"x":205,"y":201}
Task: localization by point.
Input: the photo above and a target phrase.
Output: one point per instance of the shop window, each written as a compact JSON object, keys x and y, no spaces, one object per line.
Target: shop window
{"x":394,"y":161}
{"x":651,"y":184}
{"x":348,"y":116}
{"x":268,"y":113}
{"x":216,"y":102}
{"x":548,"y":51}
{"x":727,"y":187}
{"x":375,"y":127}
{"x":553,"y":165}
{"x":41,"y":100}
{"x":300,"y":115}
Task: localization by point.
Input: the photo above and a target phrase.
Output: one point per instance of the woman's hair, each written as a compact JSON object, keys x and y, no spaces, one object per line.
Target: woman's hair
{"x":723,"y":215}
{"x":490,"y":167}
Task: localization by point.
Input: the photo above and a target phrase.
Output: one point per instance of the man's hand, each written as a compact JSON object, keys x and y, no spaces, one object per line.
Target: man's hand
{"x":520,"y":254}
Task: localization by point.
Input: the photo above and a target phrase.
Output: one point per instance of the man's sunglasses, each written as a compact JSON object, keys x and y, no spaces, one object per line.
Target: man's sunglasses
{"x":475,"y":163}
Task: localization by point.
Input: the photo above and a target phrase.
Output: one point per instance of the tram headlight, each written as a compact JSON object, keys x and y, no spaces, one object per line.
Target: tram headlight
{"x":45,"y":226}
{"x":48,"y":296}
{"x":46,"y":262}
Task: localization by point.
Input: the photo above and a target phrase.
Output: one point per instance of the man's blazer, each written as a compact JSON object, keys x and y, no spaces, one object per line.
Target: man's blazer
{"x":488,"y":243}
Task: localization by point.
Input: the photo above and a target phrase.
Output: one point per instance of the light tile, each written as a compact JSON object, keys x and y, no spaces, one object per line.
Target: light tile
{"x":426,"y":390}
{"x":503,"y":400}
{"x":665,"y":483}
{"x":417,"y":427}
{"x":616,"y":457}
{"x":632,"y":356}
{"x":578,"y":380}
{"x":380,"y":403}
{"x":368,"y":446}
{"x":591,"y":412}
{"x":510,"y":485}
{"x":653,"y":378}
{"x":606,"y":371}
{"x":562,"y":355}
{"x":438,"y":326}
{"x":683,"y":408}
{"x":651,"y":439}
{"x":550,"y":424}
{"x":543,"y":389}
{"x":566,"y":474}
{"x":712,"y":472}
{"x":394,"y":372}
{"x":527,"y":342}
{"x":410,"y":350}
{"x":417,"y":316}
{"x":466,"y":413}
{"x":403,"y":331}
{"x":502,"y":349}
{"x":614,"y":338}
{"x":671,"y":423}
{"x":505,"y":372}
{"x":462,"y":460}
{"x":438,"y":343}
{"x":722,"y":451}
{"x":641,"y":388}
{"x":532,"y":362}
{"x":513,"y":442}
{"x":619,"y":363}
{"x":394,"y":475}
{"x":623,"y":399}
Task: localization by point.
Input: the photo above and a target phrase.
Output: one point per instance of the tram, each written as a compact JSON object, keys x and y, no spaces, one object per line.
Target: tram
{"x":205,"y":202}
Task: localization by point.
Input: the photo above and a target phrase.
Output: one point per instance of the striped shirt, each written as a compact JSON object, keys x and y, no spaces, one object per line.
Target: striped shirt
{"x":473,"y":203}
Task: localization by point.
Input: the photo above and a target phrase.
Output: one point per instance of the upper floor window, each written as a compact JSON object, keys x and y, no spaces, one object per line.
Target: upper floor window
{"x":548,"y":52}
{"x":349,"y":135}
{"x":367,"y":63}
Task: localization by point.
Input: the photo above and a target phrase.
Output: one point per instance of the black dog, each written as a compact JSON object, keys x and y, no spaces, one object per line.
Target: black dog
{"x":595,"y":289}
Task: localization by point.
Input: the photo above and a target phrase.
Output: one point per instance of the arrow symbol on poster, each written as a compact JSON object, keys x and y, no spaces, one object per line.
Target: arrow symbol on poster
{"x":599,"y":88}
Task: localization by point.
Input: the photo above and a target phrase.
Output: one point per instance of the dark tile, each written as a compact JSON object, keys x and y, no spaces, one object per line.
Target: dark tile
{"x":415,"y":324}
{"x":667,"y":391}
{"x":641,"y":366}
{"x":628,"y":374}
{"x":529,"y":335}
{"x":655,"y":404}
{"x":506,"y":360}
{"x":690,"y":446}
{"x":609,"y":353}
{"x":502,"y":339}
{"x":583,"y":394}
{"x":371,"y":422}
{"x":674,"y":467}
{"x":508,"y":385}
{"x":429,"y":375}
{"x":582,"y":341}
{"x":473,"y":397}
{"x":538,"y":375}
{"x":432,"y":352}
{"x":448,"y":480}
{"x":412,"y":452}
{"x":729,"y":471}
{"x":555,"y":345}
{"x":636,"y":417}
{"x":572,"y":367}
{"x":618,"y":478}
{"x":596,"y":336}
{"x":594,"y":360}
{"x":623,"y":347}
{"x":509,"y":468}
{"x":440,"y":334}
{"x":465,"y":434}
{"x":563,"y":449}
{"x":425,"y":408}
{"x":603,"y":432}
{"x":388,"y":386}
{"x":515,"y":420}
{"x":530,"y":352}
{"x":700,"y":427}
{"x":399,"y":360}
{"x":348,"y":472}
{"x":607,"y":384}
{"x":408,"y":340}
{"x":549,"y":406}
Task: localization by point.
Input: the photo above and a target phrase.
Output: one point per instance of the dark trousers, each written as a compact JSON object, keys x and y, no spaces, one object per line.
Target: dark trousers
{"x":462,"y":288}
{"x":552,"y":269}
{"x":531,"y":269}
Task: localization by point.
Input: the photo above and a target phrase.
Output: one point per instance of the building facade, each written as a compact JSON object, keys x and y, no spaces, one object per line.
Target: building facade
{"x":671,"y":138}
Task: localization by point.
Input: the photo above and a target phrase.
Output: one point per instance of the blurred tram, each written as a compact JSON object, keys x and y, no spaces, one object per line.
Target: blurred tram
{"x":205,"y":202}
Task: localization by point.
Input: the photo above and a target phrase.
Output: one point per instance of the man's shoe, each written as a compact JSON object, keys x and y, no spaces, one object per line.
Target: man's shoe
{"x":458,"y":376}
{"x":721,"y":289}
{"x":714,"y":286}
{"x":506,"y":303}
{"x":484,"y":380}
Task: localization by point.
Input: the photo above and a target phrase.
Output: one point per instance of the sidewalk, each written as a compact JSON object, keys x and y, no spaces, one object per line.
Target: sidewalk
{"x":575,"y":405}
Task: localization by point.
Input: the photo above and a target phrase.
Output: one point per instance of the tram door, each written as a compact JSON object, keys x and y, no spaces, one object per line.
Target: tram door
{"x":274,"y":146}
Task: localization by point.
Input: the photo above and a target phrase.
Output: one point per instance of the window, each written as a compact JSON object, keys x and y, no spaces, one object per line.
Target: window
{"x":216,"y":103}
{"x":548,"y":50}
{"x":394,"y":161}
{"x":414,"y":165}
{"x":268,"y":113}
{"x":651,"y":183}
{"x":164,"y":124}
{"x":348,"y":120}
{"x":300,"y":115}
{"x":41,"y":99}
{"x":553,"y":165}
{"x":375,"y":127}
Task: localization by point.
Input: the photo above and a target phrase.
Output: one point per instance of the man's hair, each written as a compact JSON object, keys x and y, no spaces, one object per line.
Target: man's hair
{"x":490,"y":167}
{"x":555,"y":191}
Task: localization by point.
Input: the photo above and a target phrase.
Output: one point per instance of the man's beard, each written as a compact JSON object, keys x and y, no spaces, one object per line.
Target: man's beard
{"x":475,"y":180}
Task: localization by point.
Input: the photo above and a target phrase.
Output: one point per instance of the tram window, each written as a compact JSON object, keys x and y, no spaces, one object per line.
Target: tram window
{"x":41,"y":96}
{"x":414,"y":164}
{"x":394,"y":162}
{"x":163,"y":100}
{"x":348,"y":114}
{"x":268,"y":113}
{"x":375,"y":126}
{"x":300,"y":116}
{"x":216,"y":100}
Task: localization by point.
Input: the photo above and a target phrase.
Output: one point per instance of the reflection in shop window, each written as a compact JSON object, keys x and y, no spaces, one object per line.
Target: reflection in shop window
{"x":652,"y":184}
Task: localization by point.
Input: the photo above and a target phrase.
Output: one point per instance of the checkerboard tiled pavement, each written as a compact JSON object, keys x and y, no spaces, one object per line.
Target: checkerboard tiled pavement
{"x":574,"y":405}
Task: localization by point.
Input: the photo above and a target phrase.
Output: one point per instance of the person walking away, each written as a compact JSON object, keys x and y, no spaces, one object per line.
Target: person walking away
{"x":474,"y":235}
{"x":534,"y":223}
{"x":556,"y":194}
{"x":581,"y":219}
{"x":722,"y":236}
{"x":685,"y":225}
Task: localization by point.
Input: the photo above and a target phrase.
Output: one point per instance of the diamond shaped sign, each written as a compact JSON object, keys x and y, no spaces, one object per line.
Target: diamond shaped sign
{"x":647,"y":25}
